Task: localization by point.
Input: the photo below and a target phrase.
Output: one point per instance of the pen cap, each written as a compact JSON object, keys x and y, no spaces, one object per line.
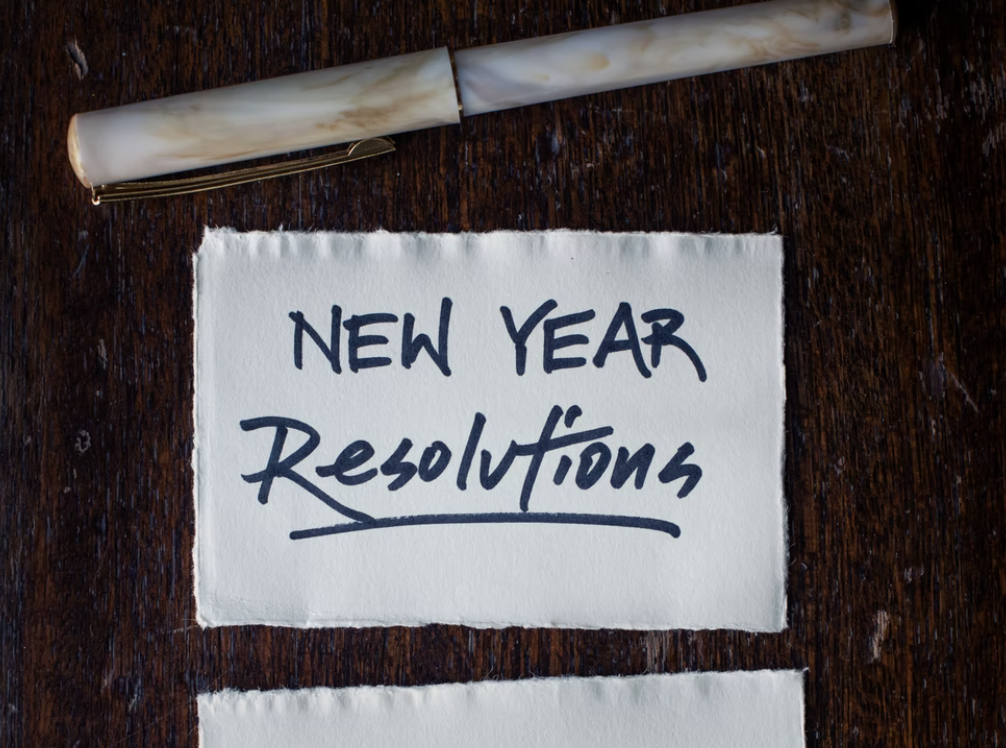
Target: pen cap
{"x":264,"y":118}
{"x":502,"y":76}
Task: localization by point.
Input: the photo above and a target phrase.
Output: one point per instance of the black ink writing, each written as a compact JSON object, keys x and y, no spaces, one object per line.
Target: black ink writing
{"x":331,"y":350}
{"x":519,"y":337}
{"x":612,"y":343}
{"x":620,"y":336}
{"x":412,"y":344}
{"x":663,"y":334}
{"x":352,"y":468}
{"x":357,"y":341}
{"x":553,"y":344}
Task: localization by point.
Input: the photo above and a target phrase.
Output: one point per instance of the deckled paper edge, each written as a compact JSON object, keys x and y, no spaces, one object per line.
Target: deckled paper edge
{"x":266,"y":700}
{"x":781,"y":433}
{"x":203,"y":623}
{"x":210,"y":236}
{"x":213,"y":235}
{"x":233,"y":694}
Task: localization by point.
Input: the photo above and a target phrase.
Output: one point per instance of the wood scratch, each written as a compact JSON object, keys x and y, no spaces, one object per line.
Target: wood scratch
{"x":996,"y":136}
{"x":79,"y":61}
{"x":958,"y":385}
{"x":880,"y":623}
{"x":656,"y":652}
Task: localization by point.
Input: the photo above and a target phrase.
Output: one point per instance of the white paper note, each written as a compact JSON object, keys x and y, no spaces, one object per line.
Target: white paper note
{"x":539,"y":429}
{"x":691,"y":710}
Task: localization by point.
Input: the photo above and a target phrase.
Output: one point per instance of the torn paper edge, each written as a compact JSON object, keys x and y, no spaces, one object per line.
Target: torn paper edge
{"x":252,"y":703}
{"x":212,"y":235}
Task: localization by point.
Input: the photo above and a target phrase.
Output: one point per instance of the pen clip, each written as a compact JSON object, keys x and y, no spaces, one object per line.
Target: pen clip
{"x":109,"y":193}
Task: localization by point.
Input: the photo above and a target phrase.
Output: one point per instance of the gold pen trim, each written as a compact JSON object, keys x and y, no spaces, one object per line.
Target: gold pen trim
{"x":361,"y":149}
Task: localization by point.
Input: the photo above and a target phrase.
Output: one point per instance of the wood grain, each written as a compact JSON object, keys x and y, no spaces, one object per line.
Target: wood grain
{"x":885,"y":171}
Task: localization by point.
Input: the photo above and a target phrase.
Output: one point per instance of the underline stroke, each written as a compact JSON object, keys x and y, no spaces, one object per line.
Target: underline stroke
{"x":493,"y":518}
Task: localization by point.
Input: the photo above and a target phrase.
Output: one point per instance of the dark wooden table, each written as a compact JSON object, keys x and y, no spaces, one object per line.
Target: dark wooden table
{"x":885,"y":171}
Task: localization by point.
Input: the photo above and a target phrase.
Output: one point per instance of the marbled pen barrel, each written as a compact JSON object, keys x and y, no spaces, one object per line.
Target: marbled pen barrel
{"x":416,"y":91}
{"x":502,"y":76}
{"x":251,"y":120}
